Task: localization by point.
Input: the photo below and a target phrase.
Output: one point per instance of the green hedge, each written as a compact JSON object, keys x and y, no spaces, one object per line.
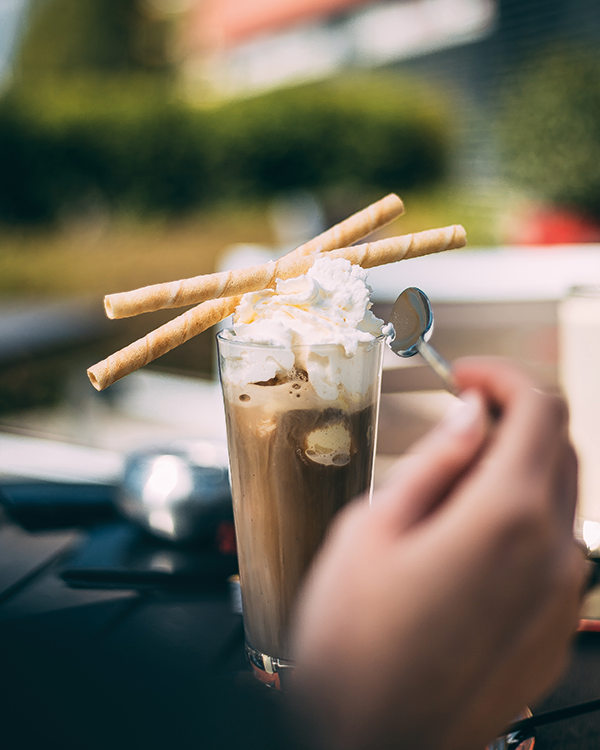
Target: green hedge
{"x":550,"y":131}
{"x":149,"y":152}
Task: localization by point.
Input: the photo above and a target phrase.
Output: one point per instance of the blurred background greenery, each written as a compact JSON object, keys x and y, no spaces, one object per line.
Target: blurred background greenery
{"x":140,"y":138}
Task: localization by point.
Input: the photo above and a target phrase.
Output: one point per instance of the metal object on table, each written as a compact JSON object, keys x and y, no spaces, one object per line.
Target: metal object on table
{"x":179,"y":492}
{"x":513,"y":741}
{"x":514,"y":738}
{"x":523,"y":730}
{"x":412,"y":318}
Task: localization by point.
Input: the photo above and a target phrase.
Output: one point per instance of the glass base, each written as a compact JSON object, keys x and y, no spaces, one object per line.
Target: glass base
{"x":271,"y":671}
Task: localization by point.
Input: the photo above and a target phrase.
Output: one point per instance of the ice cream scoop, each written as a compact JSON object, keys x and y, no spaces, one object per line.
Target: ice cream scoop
{"x":412,"y":318}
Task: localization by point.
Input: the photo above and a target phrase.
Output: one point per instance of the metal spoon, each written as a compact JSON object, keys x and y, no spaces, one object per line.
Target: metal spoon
{"x":412,"y":318}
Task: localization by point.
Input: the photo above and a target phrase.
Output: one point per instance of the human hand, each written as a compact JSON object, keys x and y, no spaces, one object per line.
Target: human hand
{"x":432,"y":617}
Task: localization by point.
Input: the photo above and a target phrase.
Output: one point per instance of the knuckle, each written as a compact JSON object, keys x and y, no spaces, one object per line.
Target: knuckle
{"x":565,"y":573}
{"x":554,"y":408}
{"x":529,"y":530}
{"x":577,"y":569}
{"x":531,"y":513}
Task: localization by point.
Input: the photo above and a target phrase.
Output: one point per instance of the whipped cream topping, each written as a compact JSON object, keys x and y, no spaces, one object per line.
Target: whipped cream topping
{"x":330,"y":305}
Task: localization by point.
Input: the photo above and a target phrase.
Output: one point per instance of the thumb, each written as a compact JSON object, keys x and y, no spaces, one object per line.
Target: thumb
{"x":420,"y":481}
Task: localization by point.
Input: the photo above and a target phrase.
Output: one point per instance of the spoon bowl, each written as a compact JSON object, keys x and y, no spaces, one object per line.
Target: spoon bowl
{"x":412,"y":319}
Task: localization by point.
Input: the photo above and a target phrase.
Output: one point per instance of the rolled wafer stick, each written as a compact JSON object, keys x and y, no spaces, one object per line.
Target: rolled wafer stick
{"x":264,"y":276}
{"x":181,"y":293}
{"x":160,"y":341}
{"x":406,"y":246}
{"x":204,"y":315}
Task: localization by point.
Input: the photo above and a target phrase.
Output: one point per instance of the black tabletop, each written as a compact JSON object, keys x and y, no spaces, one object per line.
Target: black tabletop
{"x":111,"y":638}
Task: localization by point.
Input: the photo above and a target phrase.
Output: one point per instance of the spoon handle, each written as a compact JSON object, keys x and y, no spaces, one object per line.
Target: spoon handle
{"x":439,"y":364}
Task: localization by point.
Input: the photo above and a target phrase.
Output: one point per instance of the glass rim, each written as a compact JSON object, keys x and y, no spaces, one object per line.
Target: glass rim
{"x":220,"y":336}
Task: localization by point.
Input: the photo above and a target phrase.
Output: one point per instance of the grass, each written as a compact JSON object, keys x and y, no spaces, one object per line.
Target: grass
{"x":480,"y":212}
{"x":95,"y":257}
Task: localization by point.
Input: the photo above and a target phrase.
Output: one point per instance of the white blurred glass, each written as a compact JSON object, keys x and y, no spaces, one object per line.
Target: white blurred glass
{"x":579,"y":362}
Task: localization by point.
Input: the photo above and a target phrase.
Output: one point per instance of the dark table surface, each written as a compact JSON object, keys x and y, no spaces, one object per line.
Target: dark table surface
{"x":108,"y":637}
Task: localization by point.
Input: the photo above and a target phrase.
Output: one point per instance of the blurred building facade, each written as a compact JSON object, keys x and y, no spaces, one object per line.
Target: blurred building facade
{"x":244,"y":46}
{"x":240,"y":47}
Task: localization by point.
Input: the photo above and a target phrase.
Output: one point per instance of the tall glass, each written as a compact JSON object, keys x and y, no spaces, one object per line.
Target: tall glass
{"x":301,"y":445}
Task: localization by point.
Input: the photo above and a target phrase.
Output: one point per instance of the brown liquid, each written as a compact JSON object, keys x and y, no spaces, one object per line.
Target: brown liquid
{"x":284,"y":500}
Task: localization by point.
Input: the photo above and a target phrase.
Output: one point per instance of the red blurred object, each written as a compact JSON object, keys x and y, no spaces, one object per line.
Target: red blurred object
{"x":225,"y":538}
{"x":555,"y":226}
{"x":589,"y":626}
{"x":226,"y":23}
{"x":267,"y":678}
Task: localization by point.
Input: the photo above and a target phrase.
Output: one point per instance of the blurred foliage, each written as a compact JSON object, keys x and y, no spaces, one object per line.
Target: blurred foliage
{"x":67,"y":36}
{"x":95,"y":123}
{"x":130,"y":145}
{"x":550,"y":129}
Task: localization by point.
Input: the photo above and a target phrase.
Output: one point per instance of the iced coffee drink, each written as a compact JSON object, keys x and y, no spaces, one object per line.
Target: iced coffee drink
{"x":300,"y":370}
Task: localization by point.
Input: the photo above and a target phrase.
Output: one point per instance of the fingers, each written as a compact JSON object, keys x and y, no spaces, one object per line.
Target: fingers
{"x":420,"y":480}
{"x":519,"y":500}
{"x":522,"y":407}
{"x":499,"y":379}
{"x":523,"y":469}
{"x":530,"y":448}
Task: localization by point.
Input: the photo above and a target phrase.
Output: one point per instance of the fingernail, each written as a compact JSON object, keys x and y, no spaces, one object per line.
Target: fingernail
{"x":464,"y":414}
